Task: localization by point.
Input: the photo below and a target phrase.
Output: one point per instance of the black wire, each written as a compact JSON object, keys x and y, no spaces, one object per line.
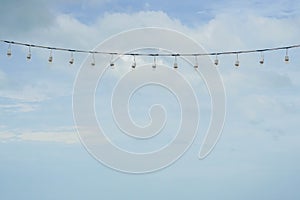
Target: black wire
{"x":151,"y":54}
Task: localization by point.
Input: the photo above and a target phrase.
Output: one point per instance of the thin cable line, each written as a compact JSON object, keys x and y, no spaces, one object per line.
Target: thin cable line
{"x":151,"y":54}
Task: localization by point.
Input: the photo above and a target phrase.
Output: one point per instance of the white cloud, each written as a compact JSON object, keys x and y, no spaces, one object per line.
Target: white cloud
{"x":233,"y":32}
{"x":226,"y":31}
{"x":61,"y":136}
{"x":34,"y":90}
{"x":6,"y":136}
{"x":2,"y":126}
{"x":67,"y":31}
{"x":19,"y":107}
{"x":26,"y":94}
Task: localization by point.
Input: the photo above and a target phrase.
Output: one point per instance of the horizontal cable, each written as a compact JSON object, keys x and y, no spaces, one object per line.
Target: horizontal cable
{"x":151,"y":54}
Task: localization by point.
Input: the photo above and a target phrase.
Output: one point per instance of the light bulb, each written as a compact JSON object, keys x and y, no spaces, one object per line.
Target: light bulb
{"x":262,"y":60}
{"x":196,"y":63}
{"x":237,"y":62}
{"x":9,"y":50}
{"x":134,"y":63}
{"x":29,"y":54}
{"x":93,"y":63}
{"x":216,"y":62}
{"x":286,"y":58}
{"x":175,"y":63}
{"x":50,"y":59}
{"x":71,"y":61}
{"x":112,"y":64}
{"x":175,"y":66}
{"x":154,"y":63}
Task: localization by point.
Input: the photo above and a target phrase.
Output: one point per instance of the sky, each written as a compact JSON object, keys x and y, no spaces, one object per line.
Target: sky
{"x":257,"y":156}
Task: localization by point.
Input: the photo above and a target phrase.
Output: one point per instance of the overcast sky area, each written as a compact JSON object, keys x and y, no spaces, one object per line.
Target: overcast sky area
{"x":258,"y":154}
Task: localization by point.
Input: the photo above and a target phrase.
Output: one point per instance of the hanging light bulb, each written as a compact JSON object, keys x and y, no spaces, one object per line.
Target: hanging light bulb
{"x":175,"y":63}
{"x":196,"y":65}
{"x":112,"y":64}
{"x":154,"y":62}
{"x":134,"y":63}
{"x":50,"y":59}
{"x":237,"y":62}
{"x":93,"y":63}
{"x":29,"y":53}
{"x":216,"y":60}
{"x":286,"y":58}
{"x":262,"y":59}
{"x":71,"y":61}
{"x":9,"y":50}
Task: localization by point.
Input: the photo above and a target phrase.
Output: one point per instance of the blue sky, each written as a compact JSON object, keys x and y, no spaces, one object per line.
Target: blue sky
{"x":257,"y":156}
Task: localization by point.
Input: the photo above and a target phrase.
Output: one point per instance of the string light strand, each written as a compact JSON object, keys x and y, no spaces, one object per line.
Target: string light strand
{"x":150,"y":54}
